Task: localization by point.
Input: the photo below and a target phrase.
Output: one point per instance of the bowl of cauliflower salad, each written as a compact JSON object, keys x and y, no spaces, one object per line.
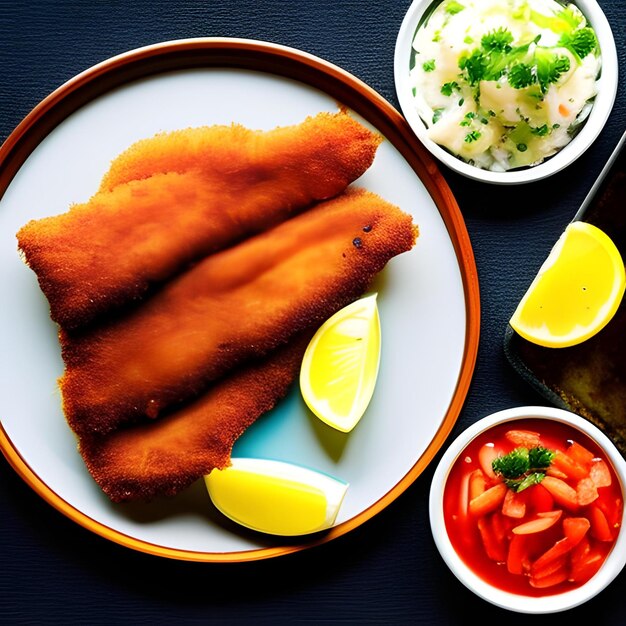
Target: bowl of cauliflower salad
{"x":497,"y":88}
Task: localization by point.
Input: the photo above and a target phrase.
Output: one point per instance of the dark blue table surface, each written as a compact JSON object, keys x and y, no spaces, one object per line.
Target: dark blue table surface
{"x":387,"y":571}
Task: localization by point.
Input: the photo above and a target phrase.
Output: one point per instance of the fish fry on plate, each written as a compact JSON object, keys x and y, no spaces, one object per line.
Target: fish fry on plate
{"x":163,"y":458}
{"x":233,"y":306}
{"x":172,"y":199}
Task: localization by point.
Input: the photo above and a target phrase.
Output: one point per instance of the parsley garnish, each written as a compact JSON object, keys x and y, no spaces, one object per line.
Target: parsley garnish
{"x":580,"y":42}
{"x":429,"y":66}
{"x":448,"y":88}
{"x":473,"y":136}
{"x":523,"y":467}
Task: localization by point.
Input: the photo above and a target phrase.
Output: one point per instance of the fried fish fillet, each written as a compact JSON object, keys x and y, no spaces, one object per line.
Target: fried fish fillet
{"x":237,"y":304}
{"x":172,"y":199}
{"x":162,"y":458}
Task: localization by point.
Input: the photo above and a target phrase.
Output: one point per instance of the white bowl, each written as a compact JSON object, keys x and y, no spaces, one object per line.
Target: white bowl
{"x":603,"y":104}
{"x":611,"y":567}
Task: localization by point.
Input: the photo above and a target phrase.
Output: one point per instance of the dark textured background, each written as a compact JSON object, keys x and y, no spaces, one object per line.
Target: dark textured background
{"x":388,"y":570}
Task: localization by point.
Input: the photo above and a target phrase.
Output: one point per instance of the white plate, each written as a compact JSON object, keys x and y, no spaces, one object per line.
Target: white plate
{"x":428,"y":298}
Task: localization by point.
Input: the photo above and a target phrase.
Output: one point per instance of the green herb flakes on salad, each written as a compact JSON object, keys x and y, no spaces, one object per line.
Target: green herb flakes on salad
{"x":504,"y":84}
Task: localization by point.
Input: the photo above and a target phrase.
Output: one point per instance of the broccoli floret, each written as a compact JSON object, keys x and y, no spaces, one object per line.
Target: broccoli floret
{"x":549,"y":67}
{"x":491,"y":60}
{"x":521,"y":75}
{"x":499,"y":39}
{"x":580,"y":42}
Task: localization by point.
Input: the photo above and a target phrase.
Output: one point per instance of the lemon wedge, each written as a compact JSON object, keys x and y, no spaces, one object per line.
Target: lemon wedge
{"x":575,"y":293}
{"x":276,"y":497}
{"x":340,"y":365}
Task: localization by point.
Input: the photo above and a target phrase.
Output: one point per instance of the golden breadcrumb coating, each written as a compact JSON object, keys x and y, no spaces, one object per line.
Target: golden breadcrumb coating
{"x":162,"y":458}
{"x":237,"y":304}
{"x":172,"y":199}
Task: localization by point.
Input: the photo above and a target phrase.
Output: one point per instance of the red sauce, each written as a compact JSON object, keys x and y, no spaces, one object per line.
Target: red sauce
{"x":577,"y":563}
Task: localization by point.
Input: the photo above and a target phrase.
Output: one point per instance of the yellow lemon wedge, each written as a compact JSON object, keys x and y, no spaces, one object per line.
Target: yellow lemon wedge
{"x":276,"y":497}
{"x":575,"y":293}
{"x":340,"y":366}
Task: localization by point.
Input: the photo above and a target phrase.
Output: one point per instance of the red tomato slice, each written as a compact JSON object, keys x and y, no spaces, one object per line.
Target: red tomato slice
{"x":568,"y":466}
{"x":539,"y":499}
{"x":558,"y":550}
{"x":514,"y":504}
{"x":580,"y":454}
{"x":517,"y":560}
{"x":575,"y":528}
{"x":600,"y":528}
{"x":495,"y":548}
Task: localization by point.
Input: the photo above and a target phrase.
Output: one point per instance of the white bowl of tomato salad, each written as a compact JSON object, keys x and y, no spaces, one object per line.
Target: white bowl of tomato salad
{"x":527,"y":509}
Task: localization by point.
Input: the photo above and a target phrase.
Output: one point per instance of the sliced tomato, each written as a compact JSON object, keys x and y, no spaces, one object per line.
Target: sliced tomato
{"x":563,"y":494}
{"x":575,"y":529}
{"x":612,"y":509}
{"x":583,"y":569}
{"x":569,"y":466}
{"x":580,"y":454}
{"x":558,"y":550}
{"x":549,"y":581}
{"x":517,"y":559}
{"x":539,"y":498}
{"x":600,"y":528}
{"x":514,"y":504}
{"x":495,"y":548}
{"x":542,"y":522}
{"x":488,"y":501}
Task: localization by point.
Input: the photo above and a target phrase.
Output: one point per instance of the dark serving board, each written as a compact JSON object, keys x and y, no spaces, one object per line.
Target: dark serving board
{"x":590,"y":378}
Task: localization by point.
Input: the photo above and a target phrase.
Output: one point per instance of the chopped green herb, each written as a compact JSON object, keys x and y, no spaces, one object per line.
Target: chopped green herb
{"x":522,"y":65}
{"x":540,"y":131}
{"x":429,"y":66}
{"x":522,"y":147}
{"x":467,"y":119}
{"x":452,"y":8}
{"x":448,"y":88}
{"x":437,"y":113}
{"x":473,"y":136}
{"x":522,"y":467}
{"x":468,"y":39}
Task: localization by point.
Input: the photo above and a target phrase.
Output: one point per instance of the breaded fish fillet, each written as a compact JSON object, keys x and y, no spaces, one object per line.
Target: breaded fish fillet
{"x":170,"y":200}
{"x":162,"y":458}
{"x":234,"y":305}
{"x":326,"y":148}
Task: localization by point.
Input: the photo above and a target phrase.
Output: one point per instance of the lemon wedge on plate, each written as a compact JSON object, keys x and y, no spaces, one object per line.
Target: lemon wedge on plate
{"x":340,"y":366}
{"x":575,"y":293}
{"x":276,"y":497}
